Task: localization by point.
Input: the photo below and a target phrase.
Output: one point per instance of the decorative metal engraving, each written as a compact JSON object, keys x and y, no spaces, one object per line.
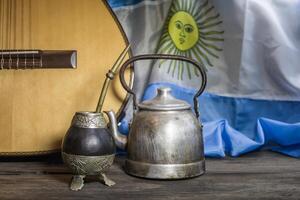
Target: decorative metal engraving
{"x":88,"y":165}
{"x":89,"y":120}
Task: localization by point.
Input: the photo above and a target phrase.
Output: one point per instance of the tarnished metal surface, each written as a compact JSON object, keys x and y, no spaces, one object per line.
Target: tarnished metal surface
{"x":165,"y":137}
{"x":165,"y":143}
{"x":89,"y":120}
{"x":81,"y":166}
{"x":120,"y":140}
{"x":165,"y":171}
{"x":170,"y":137}
{"x":164,"y":101}
{"x":88,"y":165}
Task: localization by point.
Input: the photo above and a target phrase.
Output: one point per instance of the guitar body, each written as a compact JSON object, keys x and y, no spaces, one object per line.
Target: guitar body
{"x":37,"y":105}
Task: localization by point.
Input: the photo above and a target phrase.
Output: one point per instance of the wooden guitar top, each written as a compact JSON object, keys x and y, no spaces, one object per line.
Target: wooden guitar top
{"x":37,"y":105}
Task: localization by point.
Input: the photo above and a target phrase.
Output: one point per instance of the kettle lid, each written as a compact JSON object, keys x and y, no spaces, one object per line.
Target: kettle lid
{"x":164,"y":101}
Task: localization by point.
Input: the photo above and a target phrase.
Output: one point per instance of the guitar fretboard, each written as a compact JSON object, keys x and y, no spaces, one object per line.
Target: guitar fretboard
{"x":37,"y":59}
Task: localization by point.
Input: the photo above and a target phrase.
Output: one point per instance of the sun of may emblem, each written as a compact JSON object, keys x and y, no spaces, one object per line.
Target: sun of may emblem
{"x":193,"y":30}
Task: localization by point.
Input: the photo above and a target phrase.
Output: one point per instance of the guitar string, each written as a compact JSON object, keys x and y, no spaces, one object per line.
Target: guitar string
{"x":30,"y":23}
{"x":10,"y":29}
{"x":15,"y":33}
{"x":14,"y":28}
{"x":7,"y":26}
{"x":22,"y":24}
{"x":1,"y":31}
{"x":23,"y":33}
{"x":10,"y":35}
{"x":30,"y":31}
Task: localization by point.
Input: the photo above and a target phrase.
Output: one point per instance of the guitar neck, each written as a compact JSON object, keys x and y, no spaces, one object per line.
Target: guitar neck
{"x":38,"y":59}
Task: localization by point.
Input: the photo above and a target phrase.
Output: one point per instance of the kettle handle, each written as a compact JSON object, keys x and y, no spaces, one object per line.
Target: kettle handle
{"x":168,"y":57}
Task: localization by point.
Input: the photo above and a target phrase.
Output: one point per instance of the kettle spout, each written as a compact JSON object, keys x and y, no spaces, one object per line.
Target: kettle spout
{"x":120,"y":140}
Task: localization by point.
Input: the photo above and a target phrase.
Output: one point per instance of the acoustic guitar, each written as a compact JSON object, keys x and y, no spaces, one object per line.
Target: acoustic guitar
{"x":54,"y":55}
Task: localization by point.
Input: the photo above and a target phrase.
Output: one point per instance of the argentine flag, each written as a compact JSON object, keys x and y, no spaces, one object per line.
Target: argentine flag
{"x":251,"y":51}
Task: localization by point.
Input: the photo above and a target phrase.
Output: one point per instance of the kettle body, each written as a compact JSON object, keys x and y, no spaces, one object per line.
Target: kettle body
{"x":165,"y":144}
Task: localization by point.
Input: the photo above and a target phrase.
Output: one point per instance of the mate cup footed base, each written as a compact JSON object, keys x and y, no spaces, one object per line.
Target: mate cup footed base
{"x":77,"y":181}
{"x":165,"y":171}
{"x":81,"y":166}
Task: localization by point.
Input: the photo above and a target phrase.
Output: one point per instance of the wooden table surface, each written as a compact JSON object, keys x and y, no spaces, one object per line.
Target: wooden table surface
{"x":260,"y":175}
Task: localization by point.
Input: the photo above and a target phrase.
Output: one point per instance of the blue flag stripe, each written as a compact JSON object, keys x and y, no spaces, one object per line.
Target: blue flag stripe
{"x":120,"y":3}
{"x":242,"y":125}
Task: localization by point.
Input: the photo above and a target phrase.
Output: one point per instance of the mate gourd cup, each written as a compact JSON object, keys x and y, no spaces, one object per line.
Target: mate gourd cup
{"x":88,"y":148}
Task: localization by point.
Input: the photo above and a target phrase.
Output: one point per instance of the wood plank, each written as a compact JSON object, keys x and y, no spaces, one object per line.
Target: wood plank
{"x":261,"y":175}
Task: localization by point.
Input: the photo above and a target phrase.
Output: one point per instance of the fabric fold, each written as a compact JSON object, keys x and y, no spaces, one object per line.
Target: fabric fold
{"x":250,"y":49}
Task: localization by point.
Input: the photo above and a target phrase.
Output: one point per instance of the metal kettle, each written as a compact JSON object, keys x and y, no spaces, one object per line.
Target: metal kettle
{"x":165,"y":137}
